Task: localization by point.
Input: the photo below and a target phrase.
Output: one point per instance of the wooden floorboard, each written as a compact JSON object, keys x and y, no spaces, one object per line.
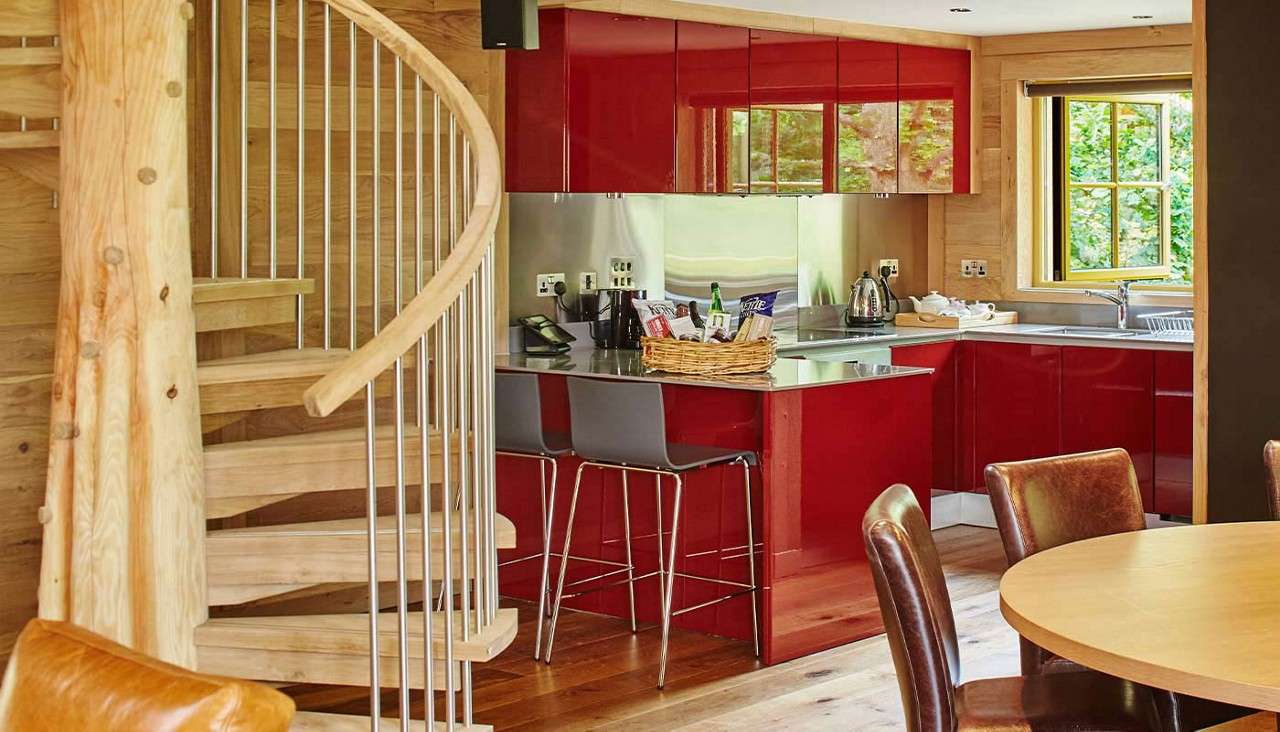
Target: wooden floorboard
{"x":603,"y":677}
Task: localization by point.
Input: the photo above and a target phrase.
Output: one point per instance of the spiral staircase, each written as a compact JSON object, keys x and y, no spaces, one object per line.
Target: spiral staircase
{"x":367,"y":301}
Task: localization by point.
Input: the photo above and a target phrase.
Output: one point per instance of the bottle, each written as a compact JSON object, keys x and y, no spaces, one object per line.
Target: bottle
{"x":717,"y":305}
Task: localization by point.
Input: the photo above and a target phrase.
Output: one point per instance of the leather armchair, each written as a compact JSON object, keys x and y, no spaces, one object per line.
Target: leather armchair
{"x":922,"y":637}
{"x":1043,"y":503}
{"x":62,"y":677}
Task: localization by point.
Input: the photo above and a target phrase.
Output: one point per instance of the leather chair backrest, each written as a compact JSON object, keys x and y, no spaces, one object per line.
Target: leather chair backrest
{"x":1040,"y":504}
{"x":62,"y":677}
{"x":916,"y":608}
{"x":1271,"y":458}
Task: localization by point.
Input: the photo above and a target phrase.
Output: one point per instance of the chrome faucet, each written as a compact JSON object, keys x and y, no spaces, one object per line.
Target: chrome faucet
{"x":1121,"y":301}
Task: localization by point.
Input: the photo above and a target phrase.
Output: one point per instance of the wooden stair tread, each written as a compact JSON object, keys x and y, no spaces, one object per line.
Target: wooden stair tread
{"x":505,"y":529}
{"x":31,"y":56}
{"x":348,"y":634}
{"x":311,"y":441}
{"x":321,"y":722}
{"x":208,"y":289}
{"x":30,"y":139}
{"x":288,"y":363}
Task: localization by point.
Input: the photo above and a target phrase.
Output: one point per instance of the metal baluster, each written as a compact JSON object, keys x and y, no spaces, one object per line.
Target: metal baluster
{"x":402,"y":580}
{"x":215,"y":177}
{"x":435,"y":227}
{"x":481,"y":586}
{"x":444,"y":382}
{"x":424,"y":447}
{"x":302,"y":165}
{"x":352,"y":204}
{"x":22,"y":119}
{"x":377,"y":188}
{"x":244,"y":138}
{"x":272,"y":140}
{"x":328,"y":176}
{"x":371,"y":510}
{"x":490,"y":436}
{"x":421,"y":414}
{"x":398,"y":227}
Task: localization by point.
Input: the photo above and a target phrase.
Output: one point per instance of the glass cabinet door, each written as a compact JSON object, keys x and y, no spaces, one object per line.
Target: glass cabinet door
{"x":712,"y":72}
{"x":791,"y":126}
{"x":867,"y":118}
{"x":933,"y":120}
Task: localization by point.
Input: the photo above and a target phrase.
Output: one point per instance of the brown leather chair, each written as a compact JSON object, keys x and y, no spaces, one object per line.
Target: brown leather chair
{"x":62,"y":677}
{"x":1271,"y":458}
{"x":1043,"y":503}
{"x":922,"y":637}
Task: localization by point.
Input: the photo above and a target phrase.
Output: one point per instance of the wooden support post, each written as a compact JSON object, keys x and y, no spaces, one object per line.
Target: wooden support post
{"x":124,"y":511}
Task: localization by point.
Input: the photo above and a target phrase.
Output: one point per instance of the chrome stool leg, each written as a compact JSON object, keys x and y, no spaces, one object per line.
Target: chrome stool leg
{"x":751,"y":561}
{"x":657,"y":494}
{"x":564,"y":564}
{"x":671,"y":575}
{"x":548,"y":512}
{"x":631,"y":567}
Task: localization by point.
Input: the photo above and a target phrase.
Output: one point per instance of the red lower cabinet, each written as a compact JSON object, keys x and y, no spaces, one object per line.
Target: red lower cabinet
{"x":1014,"y":409}
{"x":1173,"y":428}
{"x":1107,"y":398}
{"x":943,"y":359}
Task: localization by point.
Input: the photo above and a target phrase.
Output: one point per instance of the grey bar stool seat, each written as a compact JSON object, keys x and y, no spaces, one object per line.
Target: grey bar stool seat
{"x":518,"y":433}
{"x":620,"y":425}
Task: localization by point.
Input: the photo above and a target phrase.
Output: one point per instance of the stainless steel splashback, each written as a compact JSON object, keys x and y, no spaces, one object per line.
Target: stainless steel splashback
{"x":808,"y":247}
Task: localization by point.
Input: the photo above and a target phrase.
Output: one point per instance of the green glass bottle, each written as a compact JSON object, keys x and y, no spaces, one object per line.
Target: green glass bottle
{"x":717,"y":305}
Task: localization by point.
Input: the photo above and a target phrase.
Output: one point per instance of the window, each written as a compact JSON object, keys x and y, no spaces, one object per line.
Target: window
{"x":1115,"y":195}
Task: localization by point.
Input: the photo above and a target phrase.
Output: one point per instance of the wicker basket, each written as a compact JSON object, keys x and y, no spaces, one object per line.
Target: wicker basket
{"x":708,"y":359}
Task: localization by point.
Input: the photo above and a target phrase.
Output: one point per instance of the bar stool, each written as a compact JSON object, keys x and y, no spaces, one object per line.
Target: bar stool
{"x":620,"y":426}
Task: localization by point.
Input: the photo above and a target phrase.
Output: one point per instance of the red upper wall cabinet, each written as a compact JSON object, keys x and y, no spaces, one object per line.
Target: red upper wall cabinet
{"x":867,"y":117}
{"x":591,"y":111}
{"x":712,"y":83}
{"x":792,"y":122}
{"x":933,"y":120}
{"x":537,"y":112}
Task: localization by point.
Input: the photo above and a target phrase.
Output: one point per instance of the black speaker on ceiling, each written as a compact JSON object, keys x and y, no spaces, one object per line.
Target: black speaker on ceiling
{"x":509,"y":24}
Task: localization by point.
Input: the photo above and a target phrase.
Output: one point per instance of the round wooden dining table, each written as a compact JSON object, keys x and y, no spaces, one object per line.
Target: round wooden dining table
{"x":1192,"y":609}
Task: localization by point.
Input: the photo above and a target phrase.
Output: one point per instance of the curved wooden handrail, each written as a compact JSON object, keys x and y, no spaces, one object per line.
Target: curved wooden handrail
{"x":398,"y":336}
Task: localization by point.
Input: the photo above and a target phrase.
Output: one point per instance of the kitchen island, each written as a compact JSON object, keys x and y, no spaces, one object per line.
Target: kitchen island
{"x":830,"y":437}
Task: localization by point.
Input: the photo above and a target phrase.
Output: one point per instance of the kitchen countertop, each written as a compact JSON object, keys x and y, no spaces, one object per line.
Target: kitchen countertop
{"x":787,"y":373}
{"x":807,"y":338}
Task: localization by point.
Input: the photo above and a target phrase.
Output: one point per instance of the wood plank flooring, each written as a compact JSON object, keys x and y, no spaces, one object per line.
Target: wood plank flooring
{"x":603,"y":677}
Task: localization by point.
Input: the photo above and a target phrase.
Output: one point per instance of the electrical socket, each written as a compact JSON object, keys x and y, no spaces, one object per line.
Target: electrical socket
{"x":621,"y":272}
{"x":973,"y":268}
{"x":892,"y":264}
{"x":586,"y":282}
{"x":547,"y":283}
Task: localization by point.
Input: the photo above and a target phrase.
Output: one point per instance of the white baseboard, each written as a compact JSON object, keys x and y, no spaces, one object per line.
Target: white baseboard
{"x":955,"y":509}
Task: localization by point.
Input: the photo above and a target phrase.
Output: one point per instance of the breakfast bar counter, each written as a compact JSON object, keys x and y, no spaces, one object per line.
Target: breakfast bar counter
{"x":829,"y":437}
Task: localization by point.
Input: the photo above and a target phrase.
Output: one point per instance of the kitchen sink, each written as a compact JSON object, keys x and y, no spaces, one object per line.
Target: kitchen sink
{"x":1090,"y":332}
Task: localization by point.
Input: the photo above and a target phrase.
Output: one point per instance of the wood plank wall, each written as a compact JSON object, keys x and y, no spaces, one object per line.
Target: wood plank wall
{"x":974,"y":226}
{"x":30,"y":263}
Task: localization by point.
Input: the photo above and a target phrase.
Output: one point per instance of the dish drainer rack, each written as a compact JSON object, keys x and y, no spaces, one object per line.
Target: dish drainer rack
{"x":1172,"y":323}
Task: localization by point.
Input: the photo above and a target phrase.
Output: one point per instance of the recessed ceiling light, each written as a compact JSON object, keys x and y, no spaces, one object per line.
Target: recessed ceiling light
{"x":1143,"y":17}
{"x":962,"y":10}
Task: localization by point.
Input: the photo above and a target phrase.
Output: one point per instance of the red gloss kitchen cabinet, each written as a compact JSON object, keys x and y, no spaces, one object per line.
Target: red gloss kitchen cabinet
{"x":792,"y":121}
{"x":1010,"y":404}
{"x":943,"y":358}
{"x":867,"y":117}
{"x":599,"y":97}
{"x":1107,"y":401}
{"x":1174,"y":422}
{"x":712,"y":87}
{"x":933,"y":120}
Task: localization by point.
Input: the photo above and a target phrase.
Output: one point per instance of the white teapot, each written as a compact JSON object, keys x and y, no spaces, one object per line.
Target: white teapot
{"x":932,"y":304}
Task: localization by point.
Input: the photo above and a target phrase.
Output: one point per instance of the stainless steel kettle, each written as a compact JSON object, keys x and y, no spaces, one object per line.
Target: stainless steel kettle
{"x":871,"y":302}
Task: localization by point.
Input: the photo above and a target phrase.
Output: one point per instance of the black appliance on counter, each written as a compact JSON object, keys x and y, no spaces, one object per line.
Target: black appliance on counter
{"x":611,"y":314}
{"x":543,"y":337}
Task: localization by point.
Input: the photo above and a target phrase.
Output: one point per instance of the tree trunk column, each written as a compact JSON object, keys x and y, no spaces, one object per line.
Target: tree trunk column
{"x":124,"y":509}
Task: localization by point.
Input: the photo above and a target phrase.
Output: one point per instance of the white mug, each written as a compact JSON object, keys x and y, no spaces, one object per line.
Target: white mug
{"x":982,"y":308}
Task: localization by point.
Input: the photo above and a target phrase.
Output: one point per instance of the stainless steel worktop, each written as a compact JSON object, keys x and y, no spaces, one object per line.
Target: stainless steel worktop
{"x":800,"y":340}
{"x":787,"y":373}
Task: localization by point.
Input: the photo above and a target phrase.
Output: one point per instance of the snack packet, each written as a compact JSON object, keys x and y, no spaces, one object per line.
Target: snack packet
{"x":655,"y":316}
{"x":760,"y":303}
{"x":684,"y":329}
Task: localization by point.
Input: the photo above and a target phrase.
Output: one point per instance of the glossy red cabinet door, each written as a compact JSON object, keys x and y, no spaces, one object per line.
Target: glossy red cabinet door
{"x":712,"y":84}
{"x":536,"y":117}
{"x":1107,"y":401}
{"x":867,"y":117}
{"x":793,"y":97}
{"x":1173,"y":429}
{"x":1016,"y":404}
{"x":622,"y":79}
{"x":933,"y":120}
{"x":943,"y":358}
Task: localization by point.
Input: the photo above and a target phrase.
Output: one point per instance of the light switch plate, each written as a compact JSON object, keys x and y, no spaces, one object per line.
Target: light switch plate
{"x":586,"y":282}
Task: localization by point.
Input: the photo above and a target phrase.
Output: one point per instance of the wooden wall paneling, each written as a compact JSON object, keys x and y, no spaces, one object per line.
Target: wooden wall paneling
{"x":1086,"y":40}
{"x":29,"y":18}
{"x":123,"y":550}
{"x":1200,"y":271}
